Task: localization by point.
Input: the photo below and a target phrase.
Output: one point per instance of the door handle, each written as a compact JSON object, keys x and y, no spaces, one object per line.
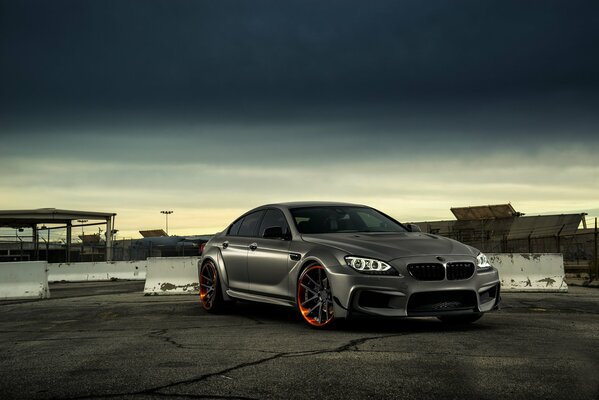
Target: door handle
{"x":225,"y":245}
{"x":253,"y":246}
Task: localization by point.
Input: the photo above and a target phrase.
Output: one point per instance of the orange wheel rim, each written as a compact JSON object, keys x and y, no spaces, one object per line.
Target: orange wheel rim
{"x":208,"y":283}
{"x":314,"y":296}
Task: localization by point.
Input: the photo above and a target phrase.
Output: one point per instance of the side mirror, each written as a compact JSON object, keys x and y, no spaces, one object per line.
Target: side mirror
{"x":274,"y":232}
{"x":413,"y":228}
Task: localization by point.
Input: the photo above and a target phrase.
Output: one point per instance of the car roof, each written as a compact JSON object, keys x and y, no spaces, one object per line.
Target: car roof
{"x":298,"y":204}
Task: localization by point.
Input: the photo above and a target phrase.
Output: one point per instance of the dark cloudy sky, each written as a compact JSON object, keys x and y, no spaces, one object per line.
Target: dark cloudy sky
{"x":212,"y":107}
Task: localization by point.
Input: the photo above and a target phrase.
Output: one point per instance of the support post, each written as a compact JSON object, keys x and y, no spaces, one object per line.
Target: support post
{"x":109,"y":239}
{"x":68,"y":244}
{"x":482,"y":235}
{"x":558,"y":239}
{"x":36,"y":242}
{"x":595,"y":252}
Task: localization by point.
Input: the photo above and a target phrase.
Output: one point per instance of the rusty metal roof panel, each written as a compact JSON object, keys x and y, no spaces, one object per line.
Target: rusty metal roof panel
{"x":484,"y":212}
{"x":153,"y":233}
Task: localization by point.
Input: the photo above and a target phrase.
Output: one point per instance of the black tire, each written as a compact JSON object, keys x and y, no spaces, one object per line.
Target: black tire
{"x":461,"y":319}
{"x":211,"y":296}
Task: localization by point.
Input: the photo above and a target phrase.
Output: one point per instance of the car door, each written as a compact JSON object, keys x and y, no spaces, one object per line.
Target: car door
{"x":235,"y":249}
{"x":268,"y":258}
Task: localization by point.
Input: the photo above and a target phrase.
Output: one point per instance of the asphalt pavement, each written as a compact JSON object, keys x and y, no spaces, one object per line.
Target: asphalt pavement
{"x":108,"y":340}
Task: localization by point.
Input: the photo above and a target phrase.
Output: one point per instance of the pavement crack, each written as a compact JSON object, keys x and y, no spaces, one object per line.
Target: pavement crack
{"x":218,"y":373}
{"x":352,"y":345}
{"x":161,"y":334}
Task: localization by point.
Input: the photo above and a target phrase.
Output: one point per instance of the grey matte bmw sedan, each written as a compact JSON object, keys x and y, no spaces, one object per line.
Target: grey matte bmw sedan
{"x":335,"y":260}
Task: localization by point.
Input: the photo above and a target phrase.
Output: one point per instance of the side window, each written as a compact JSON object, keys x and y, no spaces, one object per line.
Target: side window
{"x":273,"y":218}
{"x":234,"y":229}
{"x":249,"y":226}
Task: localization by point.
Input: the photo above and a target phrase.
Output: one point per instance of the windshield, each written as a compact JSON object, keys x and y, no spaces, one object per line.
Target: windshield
{"x":332,"y":219}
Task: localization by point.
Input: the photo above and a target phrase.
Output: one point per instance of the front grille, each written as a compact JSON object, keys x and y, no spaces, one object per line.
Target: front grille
{"x":459,"y":270}
{"x":427,"y":272}
{"x":438,"y":302}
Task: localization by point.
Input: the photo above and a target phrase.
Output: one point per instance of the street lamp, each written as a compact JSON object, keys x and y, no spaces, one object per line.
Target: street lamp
{"x":166,"y":213}
{"x":47,"y":241}
{"x":82,"y":221}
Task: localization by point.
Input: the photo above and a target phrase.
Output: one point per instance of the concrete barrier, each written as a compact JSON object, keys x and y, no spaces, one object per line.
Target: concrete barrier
{"x":172,"y":275}
{"x":24,"y":280}
{"x":97,"y":271}
{"x":534,"y":272}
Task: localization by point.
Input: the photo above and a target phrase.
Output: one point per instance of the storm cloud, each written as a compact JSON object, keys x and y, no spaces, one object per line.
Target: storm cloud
{"x":182,"y":53}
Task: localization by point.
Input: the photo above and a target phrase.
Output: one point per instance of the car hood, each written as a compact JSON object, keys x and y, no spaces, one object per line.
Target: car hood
{"x":389,"y":246}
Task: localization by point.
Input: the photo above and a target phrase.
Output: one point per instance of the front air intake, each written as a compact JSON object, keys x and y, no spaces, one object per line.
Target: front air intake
{"x":438,"y":302}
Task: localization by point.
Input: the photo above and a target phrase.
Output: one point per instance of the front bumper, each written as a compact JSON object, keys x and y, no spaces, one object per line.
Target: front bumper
{"x":403,"y":295}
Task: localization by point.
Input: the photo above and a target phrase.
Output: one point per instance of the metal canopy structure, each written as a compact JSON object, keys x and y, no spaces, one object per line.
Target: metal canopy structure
{"x":485,"y":212}
{"x":500,"y":227}
{"x":153,"y":233}
{"x":545,"y":226}
{"x":32,"y":218}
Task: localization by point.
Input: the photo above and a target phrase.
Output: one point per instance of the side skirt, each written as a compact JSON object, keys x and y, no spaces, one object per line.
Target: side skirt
{"x":259,"y":298}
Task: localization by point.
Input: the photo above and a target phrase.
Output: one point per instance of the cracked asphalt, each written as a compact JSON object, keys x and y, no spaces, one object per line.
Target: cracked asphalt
{"x":107,"y":340}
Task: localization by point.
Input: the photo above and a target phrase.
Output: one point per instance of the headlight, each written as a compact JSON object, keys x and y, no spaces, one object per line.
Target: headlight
{"x":369,"y":265}
{"x":482,"y":261}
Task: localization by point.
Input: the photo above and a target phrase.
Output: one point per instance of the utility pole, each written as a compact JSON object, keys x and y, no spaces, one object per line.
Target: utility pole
{"x":166,"y":213}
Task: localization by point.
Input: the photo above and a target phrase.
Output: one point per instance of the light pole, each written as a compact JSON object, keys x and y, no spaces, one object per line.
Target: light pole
{"x":47,"y":241}
{"x":82,"y":221}
{"x":166,"y":213}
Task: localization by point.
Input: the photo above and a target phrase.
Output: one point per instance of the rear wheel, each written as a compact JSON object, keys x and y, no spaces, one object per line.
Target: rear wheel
{"x":314,"y":296}
{"x":210,"y":292}
{"x":461,"y":319}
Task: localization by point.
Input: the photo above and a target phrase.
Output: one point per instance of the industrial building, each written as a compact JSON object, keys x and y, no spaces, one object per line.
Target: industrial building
{"x":32,"y":238}
{"x":502,"y":229}
{"x":490,"y":228}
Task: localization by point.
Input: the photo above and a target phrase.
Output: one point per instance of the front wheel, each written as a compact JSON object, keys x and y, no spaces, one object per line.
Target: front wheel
{"x":314,"y":297}
{"x":461,"y":319}
{"x":210,"y":292}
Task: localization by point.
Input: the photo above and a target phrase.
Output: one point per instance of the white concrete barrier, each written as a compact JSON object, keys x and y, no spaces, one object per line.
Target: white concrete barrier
{"x":530,"y":272}
{"x":24,"y":280}
{"x":172,"y":275}
{"x":97,"y":271}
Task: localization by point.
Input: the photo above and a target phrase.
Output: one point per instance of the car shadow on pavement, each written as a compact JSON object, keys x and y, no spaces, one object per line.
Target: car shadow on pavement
{"x":272,"y":314}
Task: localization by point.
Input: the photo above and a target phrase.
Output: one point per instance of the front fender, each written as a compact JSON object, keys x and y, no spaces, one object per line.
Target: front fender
{"x":326,"y":256}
